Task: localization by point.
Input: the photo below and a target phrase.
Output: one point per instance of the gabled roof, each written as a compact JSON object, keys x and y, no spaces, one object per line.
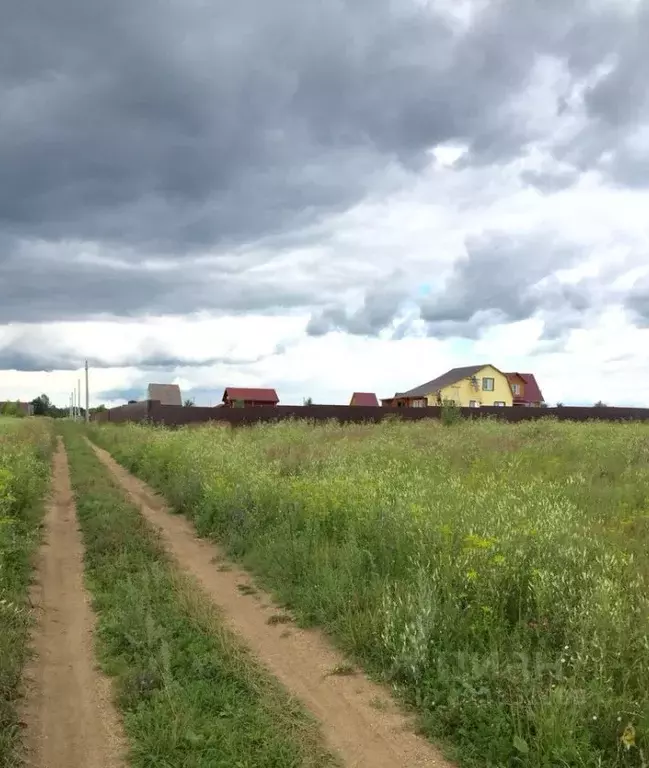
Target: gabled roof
{"x":167,"y":394}
{"x":445,"y":380}
{"x":532,"y":392}
{"x":260,"y":395}
{"x":364,"y":398}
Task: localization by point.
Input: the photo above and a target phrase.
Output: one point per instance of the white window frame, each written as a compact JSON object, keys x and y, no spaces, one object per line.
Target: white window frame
{"x":499,"y":403}
{"x":516,"y":389}
{"x":488,"y":388}
{"x":474,"y":404}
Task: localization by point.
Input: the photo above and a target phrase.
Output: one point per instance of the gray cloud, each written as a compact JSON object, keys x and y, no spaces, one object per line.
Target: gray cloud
{"x":500,"y":279}
{"x":616,"y":105}
{"x":34,"y":349}
{"x":637,"y":302}
{"x":381,"y":305}
{"x":160,"y":126}
{"x":60,"y":289}
{"x":505,"y":279}
{"x":551,"y":181}
{"x":186,"y":128}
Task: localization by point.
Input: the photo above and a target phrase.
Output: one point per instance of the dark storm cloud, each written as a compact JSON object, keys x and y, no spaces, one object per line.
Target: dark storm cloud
{"x":59,"y":289}
{"x":189,"y":123}
{"x":185,"y":127}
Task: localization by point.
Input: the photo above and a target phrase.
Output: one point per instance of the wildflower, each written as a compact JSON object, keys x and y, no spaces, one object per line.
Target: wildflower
{"x":472,"y":575}
{"x":477,"y":542}
{"x":628,"y":737}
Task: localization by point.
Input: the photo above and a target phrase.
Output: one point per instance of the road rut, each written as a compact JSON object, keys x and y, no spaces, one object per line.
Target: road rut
{"x":359,"y":720}
{"x":68,"y":713}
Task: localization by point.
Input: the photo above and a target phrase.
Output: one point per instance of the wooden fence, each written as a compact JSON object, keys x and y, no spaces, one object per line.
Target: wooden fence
{"x":152,"y":411}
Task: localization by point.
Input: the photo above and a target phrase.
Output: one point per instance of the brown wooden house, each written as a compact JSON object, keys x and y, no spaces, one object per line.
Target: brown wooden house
{"x":165,"y":394}
{"x":364,"y":398}
{"x":248,"y":397}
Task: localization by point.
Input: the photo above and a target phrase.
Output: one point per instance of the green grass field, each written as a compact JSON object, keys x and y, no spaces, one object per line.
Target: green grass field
{"x":25,"y":447}
{"x":497,"y":575}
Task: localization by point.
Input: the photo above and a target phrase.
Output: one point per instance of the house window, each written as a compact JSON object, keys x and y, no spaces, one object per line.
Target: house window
{"x":488,"y":385}
{"x":473,"y":404}
{"x":516,"y":389}
{"x":499,"y":402}
{"x":418,"y":403}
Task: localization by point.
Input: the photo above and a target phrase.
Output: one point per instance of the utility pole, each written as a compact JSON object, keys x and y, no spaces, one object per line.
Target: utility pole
{"x":87,"y":396}
{"x":79,"y":396}
{"x":70,"y":406}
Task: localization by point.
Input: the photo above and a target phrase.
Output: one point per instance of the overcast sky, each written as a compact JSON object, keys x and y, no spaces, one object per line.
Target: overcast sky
{"x":324,"y":196}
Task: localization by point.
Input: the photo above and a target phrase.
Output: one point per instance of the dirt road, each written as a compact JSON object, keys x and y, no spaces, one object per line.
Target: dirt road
{"x":358,"y":719}
{"x":70,"y":721}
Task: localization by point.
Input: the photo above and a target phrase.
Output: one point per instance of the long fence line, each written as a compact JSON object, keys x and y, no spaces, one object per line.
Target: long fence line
{"x":153,"y":412}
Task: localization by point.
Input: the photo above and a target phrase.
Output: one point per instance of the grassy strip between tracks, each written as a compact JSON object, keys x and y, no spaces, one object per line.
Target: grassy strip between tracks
{"x":25,"y":448}
{"x":189,"y":693}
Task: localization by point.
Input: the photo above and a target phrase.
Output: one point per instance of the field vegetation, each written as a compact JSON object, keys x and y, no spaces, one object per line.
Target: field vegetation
{"x":189,"y":694}
{"x":25,"y":447}
{"x":497,"y":575}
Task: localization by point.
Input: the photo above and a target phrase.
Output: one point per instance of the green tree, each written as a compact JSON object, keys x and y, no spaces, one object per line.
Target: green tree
{"x":42,"y":405}
{"x":307,"y":401}
{"x":11,"y":409}
{"x":188,"y":403}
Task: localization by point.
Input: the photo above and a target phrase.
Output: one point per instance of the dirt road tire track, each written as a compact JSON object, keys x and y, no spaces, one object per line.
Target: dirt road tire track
{"x":68,"y":712}
{"x":363,"y":735}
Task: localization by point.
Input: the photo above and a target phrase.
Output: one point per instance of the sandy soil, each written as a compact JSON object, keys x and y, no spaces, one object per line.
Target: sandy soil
{"x":359,"y":720}
{"x":68,"y":714}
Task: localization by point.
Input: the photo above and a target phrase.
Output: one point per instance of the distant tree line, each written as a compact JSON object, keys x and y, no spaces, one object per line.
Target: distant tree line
{"x":43,"y":406}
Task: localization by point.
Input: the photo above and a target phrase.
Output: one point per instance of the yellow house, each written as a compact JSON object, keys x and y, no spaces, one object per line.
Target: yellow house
{"x":468,"y":387}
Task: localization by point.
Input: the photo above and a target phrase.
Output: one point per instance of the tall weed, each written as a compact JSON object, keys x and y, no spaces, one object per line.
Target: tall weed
{"x":497,"y":575}
{"x":25,"y":447}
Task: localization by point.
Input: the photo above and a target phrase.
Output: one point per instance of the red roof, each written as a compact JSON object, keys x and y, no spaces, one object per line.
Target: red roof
{"x":531,"y":391}
{"x":244,"y":393}
{"x":364,"y":398}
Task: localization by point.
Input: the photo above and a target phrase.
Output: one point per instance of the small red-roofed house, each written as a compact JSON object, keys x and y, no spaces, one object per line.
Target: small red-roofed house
{"x":248,"y":397}
{"x":525,"y":389}
{"x":365,"y":398}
